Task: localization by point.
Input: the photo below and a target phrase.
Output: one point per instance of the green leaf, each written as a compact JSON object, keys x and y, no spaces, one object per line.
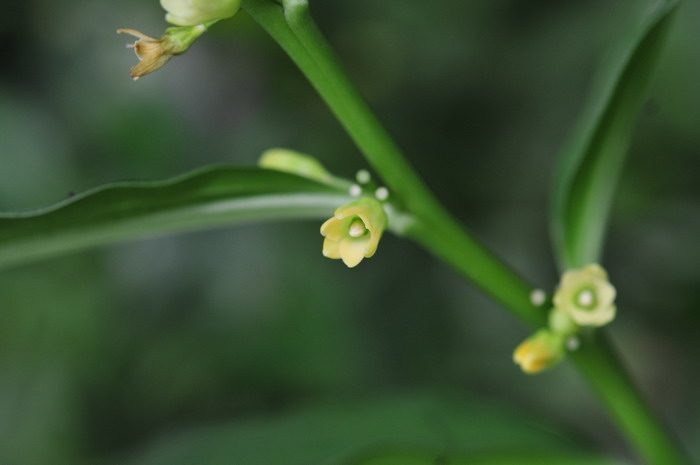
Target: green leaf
{"x":489,"y":458}
{"x":428,"y":427}
{"x":591,"y":162}
{"x":208,"y":197}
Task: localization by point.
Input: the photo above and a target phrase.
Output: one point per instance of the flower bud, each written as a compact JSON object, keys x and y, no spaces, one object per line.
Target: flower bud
{"x":193,"y":12}
{"x":539,"y":352}
{"x":155,"y":53}
{"x":354,"y":231}
{"x":586,"y":296}
{"x":295,"y":163}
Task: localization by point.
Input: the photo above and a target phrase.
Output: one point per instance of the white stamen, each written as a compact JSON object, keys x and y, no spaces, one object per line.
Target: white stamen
{"x":573,"y":343}
{"x":363,"y":176}
{"x":382,"y":193}
{"x":357,"y":229}
{"x":355,"y":190}
{"x":537,"y":297}
{"x":585,"y":298}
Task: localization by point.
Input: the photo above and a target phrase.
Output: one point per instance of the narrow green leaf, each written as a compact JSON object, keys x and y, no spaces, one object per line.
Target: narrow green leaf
{"x":205,"y":198}
{"x":591,"y":162}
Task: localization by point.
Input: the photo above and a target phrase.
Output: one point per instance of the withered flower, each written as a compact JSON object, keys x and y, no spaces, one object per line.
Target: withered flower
{"x":155,"y":53}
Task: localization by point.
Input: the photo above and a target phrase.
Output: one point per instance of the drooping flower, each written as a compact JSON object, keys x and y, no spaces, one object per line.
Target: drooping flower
{"x":193,"y":12}
{"x":586,"y":296}
{"x":354,"y":231}
{"x":539,"y":352}
{"x":155,"y":53}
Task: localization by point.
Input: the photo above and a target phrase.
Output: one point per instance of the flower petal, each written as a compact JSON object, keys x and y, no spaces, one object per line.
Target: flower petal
{"x":596,"y":270}
{"x":352,"y":251}
{"x":606,"y":293}
{"x":599,"y":317}
{"x":331,"y":248}
{"x":335,"y":228}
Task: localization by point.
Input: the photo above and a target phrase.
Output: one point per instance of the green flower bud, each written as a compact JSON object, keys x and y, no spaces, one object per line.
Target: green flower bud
{"x":155,"y":53}
{"x":586,"y":296}
{"x":539,"y":352}
{"x":295,"y":163}
{"x":354,"y":231}
{"x":193,"y":12}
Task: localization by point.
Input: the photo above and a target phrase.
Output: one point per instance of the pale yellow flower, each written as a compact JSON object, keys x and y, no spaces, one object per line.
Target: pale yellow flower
{"x":586,"y":296}
{"x":539,"y":352}
{"x":354,"y":231}
{"x":193,"y":12}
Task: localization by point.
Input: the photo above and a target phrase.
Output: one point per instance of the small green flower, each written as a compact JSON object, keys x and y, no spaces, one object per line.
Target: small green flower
{"x":539,"y":352}
{"x":193,"y":12}
{"x":354,"y":231}
{"x":155,"y":53}
{"x":586,"y":296}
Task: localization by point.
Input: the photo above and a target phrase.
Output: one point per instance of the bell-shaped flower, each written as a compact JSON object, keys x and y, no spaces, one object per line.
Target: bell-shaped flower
{"x":586,"y":296}
{"x":193,"y":12}
{"x":540,"y":352}
{"x":155,"y":53}
{"x":354,"y":231}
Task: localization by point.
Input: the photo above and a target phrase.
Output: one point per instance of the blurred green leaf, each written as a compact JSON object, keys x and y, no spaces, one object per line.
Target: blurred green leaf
{"x":490,"y":458}
{"x":346,"y":434}
{"x":205,"y":198}
{"x":591,"y":162}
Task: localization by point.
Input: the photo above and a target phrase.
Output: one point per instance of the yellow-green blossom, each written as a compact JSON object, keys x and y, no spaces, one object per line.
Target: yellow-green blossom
{"x":586,"y":296}
{"x":539,"y":352}
{"x":193,"y":12}
{"x":354,"y":231}
{"x":155,"y":53}
{"x":295,"y":163}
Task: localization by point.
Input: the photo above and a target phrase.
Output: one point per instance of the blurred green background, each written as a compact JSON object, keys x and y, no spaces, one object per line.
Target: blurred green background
{"x":212,"y":338}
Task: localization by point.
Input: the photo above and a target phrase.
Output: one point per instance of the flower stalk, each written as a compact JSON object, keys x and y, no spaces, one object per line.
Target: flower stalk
{"x":292,"y":27}
{"x":289,"y":23}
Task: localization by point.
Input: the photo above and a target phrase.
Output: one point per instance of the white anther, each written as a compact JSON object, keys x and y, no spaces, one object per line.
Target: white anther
{"x":363,"y":176}
{"x":382,"y":193}
{"x":357,"y":229}
{"x":573,"y":343}
{"x":537,"y":297}
{"x":585,"y":298}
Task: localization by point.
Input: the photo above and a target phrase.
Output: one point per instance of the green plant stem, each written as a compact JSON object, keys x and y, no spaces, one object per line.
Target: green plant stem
{"x":601,"y":367}
{"x":291,"y":26}
{"x":295,"y":31}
